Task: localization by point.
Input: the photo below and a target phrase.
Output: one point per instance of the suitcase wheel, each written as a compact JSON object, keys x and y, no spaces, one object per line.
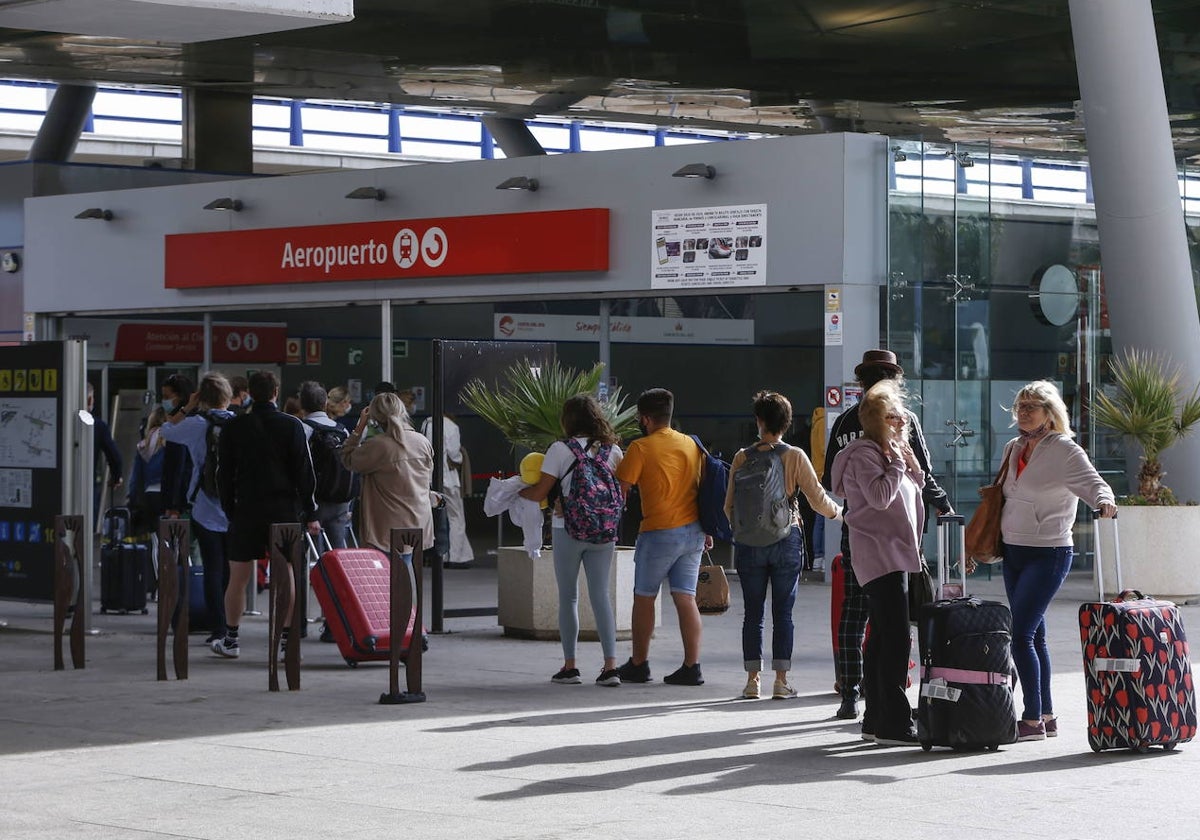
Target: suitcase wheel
{"x":926,"y":747}
{"x":992,"y":748}
{"x":1170,"y":745}
{"x":103,"y":611}
{"x":145,"y":611}
{"x":1142,"y":749}
{"x":1096,"y":747}
{"x":353,"y":663}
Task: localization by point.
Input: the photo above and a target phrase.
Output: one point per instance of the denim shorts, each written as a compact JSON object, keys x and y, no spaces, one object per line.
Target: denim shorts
{"x":671,"y":554}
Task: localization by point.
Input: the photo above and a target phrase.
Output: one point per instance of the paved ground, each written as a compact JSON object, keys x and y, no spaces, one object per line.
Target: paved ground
{"x":499,"y":752}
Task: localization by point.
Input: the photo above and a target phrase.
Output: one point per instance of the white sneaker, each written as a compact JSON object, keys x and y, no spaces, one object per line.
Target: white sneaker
{"x":783,"y":691}
{"x":750,"y":692}
{"x":223,"y":647}
{"x":819,"y":564}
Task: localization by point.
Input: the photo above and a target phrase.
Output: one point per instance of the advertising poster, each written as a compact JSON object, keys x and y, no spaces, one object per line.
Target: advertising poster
{"x":698,"y":247}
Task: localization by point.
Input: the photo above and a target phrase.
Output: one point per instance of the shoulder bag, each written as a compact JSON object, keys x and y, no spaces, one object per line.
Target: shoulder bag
{"x":984,"y":541}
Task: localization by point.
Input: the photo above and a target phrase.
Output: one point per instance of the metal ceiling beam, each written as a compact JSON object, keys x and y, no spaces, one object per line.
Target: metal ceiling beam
{"x":59,"y":133}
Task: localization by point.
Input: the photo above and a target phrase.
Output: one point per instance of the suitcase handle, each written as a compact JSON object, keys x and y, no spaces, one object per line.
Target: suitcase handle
{"x":1096,"y":517}
{"x":312,"y":546}
{"x":944,"y":523}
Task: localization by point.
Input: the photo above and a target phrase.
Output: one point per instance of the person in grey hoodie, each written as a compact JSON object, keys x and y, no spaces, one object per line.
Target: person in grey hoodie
{"x":879,"y":477}
{"x":1047,"y":472}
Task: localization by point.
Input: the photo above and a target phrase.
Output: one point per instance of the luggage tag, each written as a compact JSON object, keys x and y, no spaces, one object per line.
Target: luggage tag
{"x":937,"y":689}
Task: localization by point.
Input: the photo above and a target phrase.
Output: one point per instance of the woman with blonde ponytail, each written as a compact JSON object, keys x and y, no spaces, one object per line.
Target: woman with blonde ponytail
{"x":396,"y":465}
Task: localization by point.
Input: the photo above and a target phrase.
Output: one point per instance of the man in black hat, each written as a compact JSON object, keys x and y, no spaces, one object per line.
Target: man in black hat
{"x":876,"y":366}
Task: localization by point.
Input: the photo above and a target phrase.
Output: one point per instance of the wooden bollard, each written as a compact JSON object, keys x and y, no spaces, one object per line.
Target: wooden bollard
{"x":68,"y":587}
{"x":287,"y":576}
{"x":174,"y":586}
{"x":405,"y":616}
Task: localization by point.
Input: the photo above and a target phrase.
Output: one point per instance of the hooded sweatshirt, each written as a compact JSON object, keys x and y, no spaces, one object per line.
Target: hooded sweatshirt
{"x":1040,"y":504}
{"x":885,"y":514}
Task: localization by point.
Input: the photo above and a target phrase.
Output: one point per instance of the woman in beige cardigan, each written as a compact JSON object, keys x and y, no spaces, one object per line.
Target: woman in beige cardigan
{"x":396,"y":465}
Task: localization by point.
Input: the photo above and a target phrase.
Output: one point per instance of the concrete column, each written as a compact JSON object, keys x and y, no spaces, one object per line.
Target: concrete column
{"x":1147,"y":272}
{"x":206,"y":362}
{"x":217,"y":131}
{"x":860,"y":326}
{"x":61,"y":126}
{"x":605,"y":345}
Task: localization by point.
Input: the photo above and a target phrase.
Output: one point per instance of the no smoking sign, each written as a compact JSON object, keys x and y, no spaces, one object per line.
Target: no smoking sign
{"x":833,"y":396}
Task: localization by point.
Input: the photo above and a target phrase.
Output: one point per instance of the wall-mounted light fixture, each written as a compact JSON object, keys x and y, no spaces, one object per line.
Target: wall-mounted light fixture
{"x":367,"y":192}
{"x":695,"y":170}
{"x":234,"y":204}
{"x":961,"y":158}
{"x":96,"y":213}
{"x":518,"y":182}
{"x":898,"y":155}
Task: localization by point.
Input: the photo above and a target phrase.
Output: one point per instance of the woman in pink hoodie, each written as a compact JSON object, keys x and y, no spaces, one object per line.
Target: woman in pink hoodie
{"x":880,"y":480}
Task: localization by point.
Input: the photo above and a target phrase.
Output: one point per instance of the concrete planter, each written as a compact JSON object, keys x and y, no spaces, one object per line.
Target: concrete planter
{"x":1158,"y":552}
{"x":528,"y":596}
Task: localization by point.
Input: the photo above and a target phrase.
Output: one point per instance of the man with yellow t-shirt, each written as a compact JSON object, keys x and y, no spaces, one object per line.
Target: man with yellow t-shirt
{"x":665,"y":465}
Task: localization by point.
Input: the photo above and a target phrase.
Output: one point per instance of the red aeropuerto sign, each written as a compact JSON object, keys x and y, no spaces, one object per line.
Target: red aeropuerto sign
{"x":184,"y":342}
{"x":507,"y":243}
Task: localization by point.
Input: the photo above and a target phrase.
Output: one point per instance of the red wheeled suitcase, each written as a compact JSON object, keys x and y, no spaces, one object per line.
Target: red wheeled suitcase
{"x":1135,"y":665}
{"x":353,"y":587}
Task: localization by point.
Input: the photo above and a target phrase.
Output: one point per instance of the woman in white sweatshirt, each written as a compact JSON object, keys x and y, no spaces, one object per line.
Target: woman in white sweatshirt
{"x":1047,"y":473}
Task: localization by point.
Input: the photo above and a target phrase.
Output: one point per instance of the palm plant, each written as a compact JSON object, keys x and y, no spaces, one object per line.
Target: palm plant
{"x":526,"y":404}
{"x":1151,"y":407}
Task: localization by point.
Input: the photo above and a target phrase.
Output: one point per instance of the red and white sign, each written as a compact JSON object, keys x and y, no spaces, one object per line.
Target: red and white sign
{"x":506,"y":243}
{"x":312,"y":351}
{"x":833,"y":396}
{"x":292,"y":348}
{"x":145,"y":342}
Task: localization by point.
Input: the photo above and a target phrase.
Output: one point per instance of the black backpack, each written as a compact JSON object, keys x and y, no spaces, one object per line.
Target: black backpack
{"x":335,"y":483}
{"x":762,"y":511}
{"x":212,"y":454}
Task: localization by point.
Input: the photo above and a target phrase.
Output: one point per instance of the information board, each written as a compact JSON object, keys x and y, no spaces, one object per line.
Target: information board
{"x":31,"y":431}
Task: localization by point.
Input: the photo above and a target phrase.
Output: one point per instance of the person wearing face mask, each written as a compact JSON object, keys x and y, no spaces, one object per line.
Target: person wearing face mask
{"x":1047,"y":472}
{"x":881,"y":480}
{"x":176,"y":390}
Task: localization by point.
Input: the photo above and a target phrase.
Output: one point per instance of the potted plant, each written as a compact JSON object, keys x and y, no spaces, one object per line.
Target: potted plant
{"x":524,"y":406}
{"x":1152,"y":407}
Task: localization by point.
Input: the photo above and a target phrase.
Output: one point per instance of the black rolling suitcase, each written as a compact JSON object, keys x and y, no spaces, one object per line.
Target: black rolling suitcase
{"x":967,"y":671}
{"x":122,"y":566}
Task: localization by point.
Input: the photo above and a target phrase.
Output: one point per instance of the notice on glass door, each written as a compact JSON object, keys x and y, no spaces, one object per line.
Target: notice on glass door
{"x":699,"y":247}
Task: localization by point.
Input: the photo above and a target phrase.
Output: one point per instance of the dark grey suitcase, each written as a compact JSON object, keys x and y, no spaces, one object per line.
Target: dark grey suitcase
{"x":967,"y":671}
{"x":122,"y":566}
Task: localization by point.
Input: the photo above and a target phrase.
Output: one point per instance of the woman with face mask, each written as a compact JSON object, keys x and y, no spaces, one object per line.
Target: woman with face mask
{"x":1047,"y":473}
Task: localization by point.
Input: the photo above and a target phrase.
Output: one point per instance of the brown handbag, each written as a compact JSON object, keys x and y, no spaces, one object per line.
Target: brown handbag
{"x":712,"y":588}
{"x":983,"y":538}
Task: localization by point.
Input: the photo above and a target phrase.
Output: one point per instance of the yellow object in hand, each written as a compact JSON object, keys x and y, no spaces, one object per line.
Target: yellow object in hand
{"x":531,"y":469}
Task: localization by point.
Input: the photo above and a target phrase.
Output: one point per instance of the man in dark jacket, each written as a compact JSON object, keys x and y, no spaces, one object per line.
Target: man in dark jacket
{"x":103,"y":447}
{"x":265,"y":476}
{"x":876,"y":366}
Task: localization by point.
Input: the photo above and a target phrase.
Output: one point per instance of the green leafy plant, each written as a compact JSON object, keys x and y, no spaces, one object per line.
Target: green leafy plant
{"x":525,"y":406}
{"x":1151,"y":407}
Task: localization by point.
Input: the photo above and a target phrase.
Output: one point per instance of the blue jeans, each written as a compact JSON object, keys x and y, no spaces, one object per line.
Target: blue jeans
{"x":777,"y":564}
{"x":671,"y":554}
{"x":597,"y":560}
{"x":1032,"y":576}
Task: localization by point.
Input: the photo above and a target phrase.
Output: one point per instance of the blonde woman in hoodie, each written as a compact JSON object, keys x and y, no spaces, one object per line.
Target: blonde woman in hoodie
{"x":880,"y":479}
{"x":1047,"y":473}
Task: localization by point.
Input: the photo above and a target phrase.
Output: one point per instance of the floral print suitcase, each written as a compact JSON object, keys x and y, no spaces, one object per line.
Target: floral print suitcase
{"x":1139,"y":680}
{"x":1140,"y":690}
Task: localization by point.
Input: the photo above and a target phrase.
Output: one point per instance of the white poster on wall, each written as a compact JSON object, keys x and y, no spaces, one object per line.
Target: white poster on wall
{"x":523,"y":327}
{"x":695,"y":247}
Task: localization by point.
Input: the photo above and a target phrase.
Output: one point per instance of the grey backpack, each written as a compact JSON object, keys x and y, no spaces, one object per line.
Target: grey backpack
{"x":762,"y":511}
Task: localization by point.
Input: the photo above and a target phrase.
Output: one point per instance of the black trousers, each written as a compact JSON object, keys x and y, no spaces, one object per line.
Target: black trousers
{"x":885,"y":660}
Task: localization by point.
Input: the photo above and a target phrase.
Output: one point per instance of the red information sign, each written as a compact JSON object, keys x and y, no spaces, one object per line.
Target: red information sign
{"x":144,"y":342}
{"x":293,"y":351}
{"x":507,"y":243}
{"x":312,"y":351}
